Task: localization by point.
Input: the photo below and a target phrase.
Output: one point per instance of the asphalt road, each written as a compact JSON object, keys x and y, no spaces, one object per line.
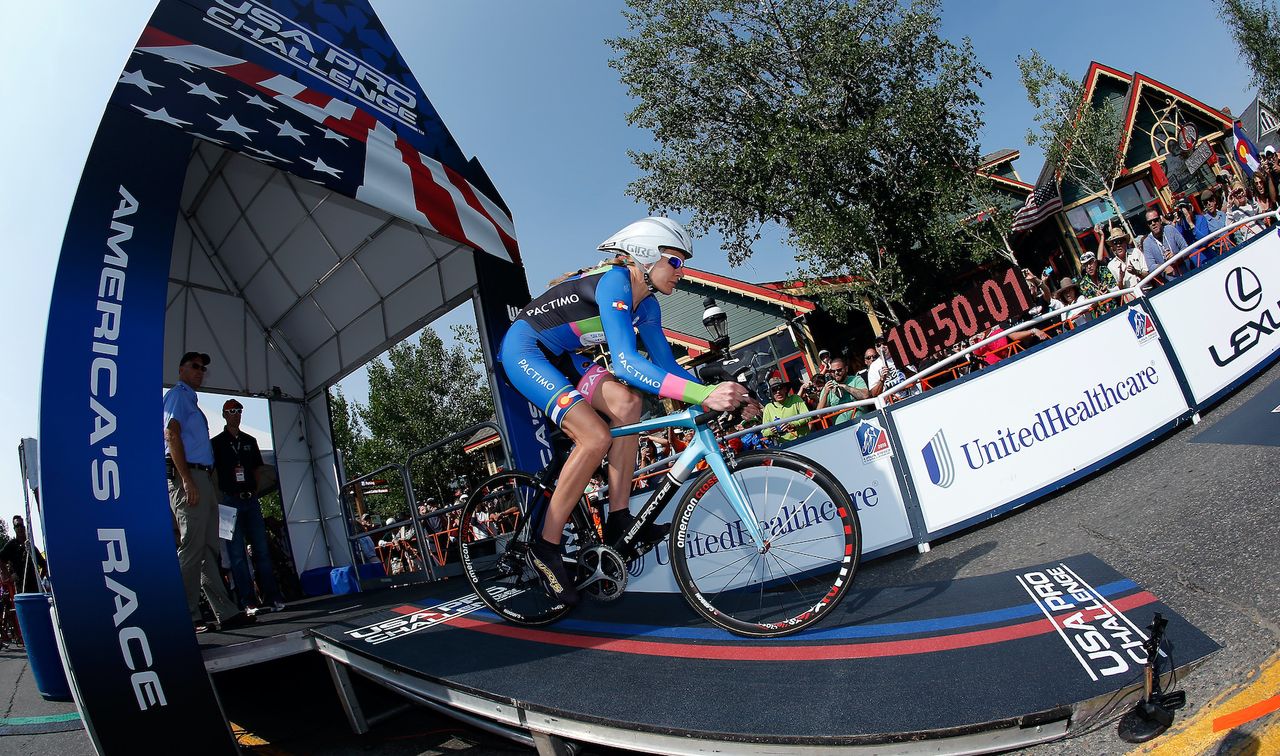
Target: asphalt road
{"x":1194,"y":523}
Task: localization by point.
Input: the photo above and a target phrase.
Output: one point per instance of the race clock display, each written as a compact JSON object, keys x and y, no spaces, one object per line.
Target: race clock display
{"x":998,"y":299}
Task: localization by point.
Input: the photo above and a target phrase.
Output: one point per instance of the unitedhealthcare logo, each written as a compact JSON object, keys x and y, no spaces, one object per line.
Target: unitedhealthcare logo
{"x":1003,"y":443}
{"x":937,"y":460}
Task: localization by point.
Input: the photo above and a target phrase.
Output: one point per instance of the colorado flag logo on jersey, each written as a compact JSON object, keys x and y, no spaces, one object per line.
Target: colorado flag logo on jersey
{"x":937,"y":460}
{"x":618,"y":304}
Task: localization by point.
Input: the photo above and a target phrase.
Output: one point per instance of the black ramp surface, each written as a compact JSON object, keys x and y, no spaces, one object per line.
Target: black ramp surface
{"x":929,"y":657}
{"x":1256,"y":422}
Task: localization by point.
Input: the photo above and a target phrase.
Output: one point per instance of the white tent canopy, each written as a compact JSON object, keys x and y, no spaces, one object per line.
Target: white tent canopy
{"x":289,"y":287}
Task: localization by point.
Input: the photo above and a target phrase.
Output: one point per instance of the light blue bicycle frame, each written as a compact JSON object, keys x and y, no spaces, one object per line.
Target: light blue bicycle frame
{"x":702,"y":446}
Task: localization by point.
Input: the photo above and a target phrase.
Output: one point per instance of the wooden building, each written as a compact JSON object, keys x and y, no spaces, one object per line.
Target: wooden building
{"x":1160,"y":125}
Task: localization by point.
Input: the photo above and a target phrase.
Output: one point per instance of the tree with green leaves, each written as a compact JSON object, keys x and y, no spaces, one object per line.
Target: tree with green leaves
{"x":1256,"y":26}
{"x":348,"y":433}
{"x":852,"y":124}
{"x":418,"y":394}
{"x":1080,"y":137}
{"x":987,"y":227}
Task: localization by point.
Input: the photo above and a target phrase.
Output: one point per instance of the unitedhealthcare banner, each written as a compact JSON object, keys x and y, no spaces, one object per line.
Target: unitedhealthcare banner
{"x":1039,"y":421}
{"x":130,"y":649}
{"x":1224,"y":321}
{"x":857,"y":454}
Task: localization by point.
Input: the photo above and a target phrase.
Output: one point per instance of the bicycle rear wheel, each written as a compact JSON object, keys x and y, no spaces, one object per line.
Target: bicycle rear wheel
{"x":812,"y":548}
{"x":494,"y":533}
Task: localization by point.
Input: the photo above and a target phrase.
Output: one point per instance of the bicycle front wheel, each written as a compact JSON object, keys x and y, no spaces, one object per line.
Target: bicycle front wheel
{"x":813,"y":543}
{"x":495,"y":531}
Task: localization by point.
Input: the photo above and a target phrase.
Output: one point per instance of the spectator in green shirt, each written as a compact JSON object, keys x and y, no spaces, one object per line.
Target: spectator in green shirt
{"x":842,"y":388}
{"x":784,"y":404}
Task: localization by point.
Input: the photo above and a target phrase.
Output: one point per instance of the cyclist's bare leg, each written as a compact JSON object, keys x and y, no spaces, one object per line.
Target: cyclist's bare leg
{"x":622,"y":405}
{"x":591,"y":441}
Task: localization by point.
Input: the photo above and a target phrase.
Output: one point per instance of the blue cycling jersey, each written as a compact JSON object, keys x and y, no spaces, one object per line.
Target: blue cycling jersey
{"x":591,"y":309}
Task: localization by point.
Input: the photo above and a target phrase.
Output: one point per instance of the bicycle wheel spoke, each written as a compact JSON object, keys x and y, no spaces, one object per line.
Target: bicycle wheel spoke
{"x":729,"y":565}
{"x":735,"y":576}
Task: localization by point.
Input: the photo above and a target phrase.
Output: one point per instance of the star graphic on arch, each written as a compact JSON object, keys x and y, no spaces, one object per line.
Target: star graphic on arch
{"x":231,"y":124}
{"x":331,"y":134}
{"x":287,"y":130}
{"x":162,"y":115}
{"x":320,"y":166}
{"x":138,"y":80}
{"x":269,"y":155}
{"x":203,"y":90}
{"x":256,"y":100}
{"x":208,"y":138}
{"x":185,"y":64}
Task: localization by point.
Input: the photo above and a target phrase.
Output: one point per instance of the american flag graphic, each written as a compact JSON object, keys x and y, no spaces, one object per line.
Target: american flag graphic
{"x":276,"y":120}
{"x":1043,"y":202}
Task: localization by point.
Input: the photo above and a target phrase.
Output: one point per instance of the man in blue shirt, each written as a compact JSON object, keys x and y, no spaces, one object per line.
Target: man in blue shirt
{"x":193,"y":495}
{"x":1162,"y":243}
{"x":1212,"y":219}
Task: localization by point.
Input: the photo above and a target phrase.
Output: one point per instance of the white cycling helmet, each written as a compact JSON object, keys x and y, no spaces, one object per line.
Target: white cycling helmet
{"x":642,"y":239}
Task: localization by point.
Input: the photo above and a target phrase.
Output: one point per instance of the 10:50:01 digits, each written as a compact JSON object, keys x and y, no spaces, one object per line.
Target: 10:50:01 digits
{"x":975,"y":309}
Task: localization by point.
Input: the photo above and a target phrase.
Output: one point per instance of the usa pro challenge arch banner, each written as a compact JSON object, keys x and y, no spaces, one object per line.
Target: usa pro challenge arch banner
{"x":317,"y":90}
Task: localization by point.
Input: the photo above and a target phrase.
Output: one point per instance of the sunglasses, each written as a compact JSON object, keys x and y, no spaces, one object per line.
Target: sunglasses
{"x":197,"y":366}
{"x":233,"y":411}
{"x":675,"y":261}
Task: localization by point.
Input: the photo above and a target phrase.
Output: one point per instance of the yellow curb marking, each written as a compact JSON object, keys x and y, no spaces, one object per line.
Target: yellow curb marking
{"x":1196,"y":734}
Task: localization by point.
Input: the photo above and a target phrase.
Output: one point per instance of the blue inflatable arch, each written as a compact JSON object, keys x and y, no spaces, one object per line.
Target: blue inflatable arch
{"x":270,"y":185}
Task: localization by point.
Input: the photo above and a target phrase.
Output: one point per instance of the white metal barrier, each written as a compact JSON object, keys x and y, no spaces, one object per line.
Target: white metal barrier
{"x":1014,"y":432}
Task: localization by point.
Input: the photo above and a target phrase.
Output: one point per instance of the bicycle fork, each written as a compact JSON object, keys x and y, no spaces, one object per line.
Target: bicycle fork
{"x":703,"y":446}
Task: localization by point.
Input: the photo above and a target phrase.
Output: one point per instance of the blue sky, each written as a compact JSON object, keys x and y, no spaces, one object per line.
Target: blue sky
{"x":526,"y":87}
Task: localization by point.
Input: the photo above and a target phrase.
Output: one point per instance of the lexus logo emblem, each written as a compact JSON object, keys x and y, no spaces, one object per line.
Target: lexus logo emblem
{"x":1244,"y":290}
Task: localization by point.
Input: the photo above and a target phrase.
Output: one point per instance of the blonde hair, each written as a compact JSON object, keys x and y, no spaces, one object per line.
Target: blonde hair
{"x":619,"y":260}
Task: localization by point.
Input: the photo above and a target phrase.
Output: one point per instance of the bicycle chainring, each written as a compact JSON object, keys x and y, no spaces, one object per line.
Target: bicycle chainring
{"x":602,"y":573}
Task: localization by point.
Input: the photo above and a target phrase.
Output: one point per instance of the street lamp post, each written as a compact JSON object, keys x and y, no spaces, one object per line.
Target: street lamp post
{"x":716,"y":322}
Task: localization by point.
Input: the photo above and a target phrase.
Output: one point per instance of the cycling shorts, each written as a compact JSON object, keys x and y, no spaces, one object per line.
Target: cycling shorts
{"x":540,"y":376}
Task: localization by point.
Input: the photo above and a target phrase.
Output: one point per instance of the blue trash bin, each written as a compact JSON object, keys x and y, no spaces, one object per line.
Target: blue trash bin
{"x":42,"y":648}
{"x":344,"y":580}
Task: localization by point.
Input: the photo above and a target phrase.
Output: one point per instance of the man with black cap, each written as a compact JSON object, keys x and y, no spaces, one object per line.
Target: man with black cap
{"x":784,"y":404}
{"x":193,"y":494}
{"x":238,"y":462}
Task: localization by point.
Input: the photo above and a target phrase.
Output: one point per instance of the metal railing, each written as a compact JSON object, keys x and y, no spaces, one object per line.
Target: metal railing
{"x":439,"y":555}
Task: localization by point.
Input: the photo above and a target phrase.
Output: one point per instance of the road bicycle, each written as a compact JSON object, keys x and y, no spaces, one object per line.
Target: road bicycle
{"x":762,"y":544}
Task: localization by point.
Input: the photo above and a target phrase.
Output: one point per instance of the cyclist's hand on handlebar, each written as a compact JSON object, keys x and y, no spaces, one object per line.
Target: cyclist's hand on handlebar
{"x":726,"y":396}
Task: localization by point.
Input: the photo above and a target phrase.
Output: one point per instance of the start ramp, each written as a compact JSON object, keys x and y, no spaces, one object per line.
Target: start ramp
{"x":969,"y":665}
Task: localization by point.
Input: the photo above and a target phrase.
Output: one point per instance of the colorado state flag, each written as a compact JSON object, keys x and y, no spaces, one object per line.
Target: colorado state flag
{"x":1246,"y":153}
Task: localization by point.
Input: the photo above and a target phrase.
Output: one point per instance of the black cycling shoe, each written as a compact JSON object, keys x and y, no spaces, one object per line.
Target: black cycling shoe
{"x":620,"y":522}
{"x":547,"y":561}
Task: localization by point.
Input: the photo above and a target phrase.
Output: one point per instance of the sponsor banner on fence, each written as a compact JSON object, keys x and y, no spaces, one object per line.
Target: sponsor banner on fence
{"x":1021,"y":427}
{"x":858,"y":455}
{"x":1224,"y":320}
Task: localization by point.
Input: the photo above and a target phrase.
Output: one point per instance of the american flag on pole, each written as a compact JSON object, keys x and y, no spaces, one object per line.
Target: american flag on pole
{"x":1043,"y":202}
{"x":272,"y":118}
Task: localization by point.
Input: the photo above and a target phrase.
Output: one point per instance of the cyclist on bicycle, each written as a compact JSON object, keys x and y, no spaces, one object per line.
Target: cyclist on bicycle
{"x":606,"y":304}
